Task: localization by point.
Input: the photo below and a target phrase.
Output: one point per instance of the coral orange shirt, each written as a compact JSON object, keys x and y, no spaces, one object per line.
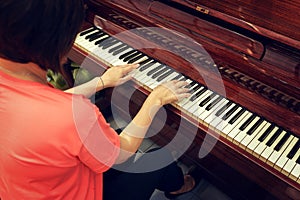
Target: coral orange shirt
{"x":53,"y":145}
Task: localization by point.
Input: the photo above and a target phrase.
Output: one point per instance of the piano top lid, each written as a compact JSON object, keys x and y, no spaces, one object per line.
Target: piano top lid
{"x":275,"y":19}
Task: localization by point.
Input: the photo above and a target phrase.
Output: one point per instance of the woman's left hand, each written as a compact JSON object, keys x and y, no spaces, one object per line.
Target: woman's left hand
{"x":117,"y":75}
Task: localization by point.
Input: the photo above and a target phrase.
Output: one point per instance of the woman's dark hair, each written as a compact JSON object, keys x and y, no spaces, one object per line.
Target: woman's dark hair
{"x":39,"y":31}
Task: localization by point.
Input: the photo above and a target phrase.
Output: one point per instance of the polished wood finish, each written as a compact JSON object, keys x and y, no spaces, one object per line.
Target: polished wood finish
{"x":275,"y":19}
{"x":245,"y":37}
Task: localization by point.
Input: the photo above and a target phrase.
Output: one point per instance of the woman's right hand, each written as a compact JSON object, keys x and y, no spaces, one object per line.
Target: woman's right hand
{"x":169,"y":92}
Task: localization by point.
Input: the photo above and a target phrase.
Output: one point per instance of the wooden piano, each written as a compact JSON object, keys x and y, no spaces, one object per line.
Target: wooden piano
{"x":242,"y":60}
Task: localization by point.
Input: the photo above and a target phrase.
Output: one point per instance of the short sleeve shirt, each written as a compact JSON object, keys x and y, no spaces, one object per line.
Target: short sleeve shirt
{"x":53,"y":145}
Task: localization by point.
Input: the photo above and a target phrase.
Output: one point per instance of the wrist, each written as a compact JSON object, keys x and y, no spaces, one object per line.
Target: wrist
{"x":154,"y":100}
{"x":100,"y":83}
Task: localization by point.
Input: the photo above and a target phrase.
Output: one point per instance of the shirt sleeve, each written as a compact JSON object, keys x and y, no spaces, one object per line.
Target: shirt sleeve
{"x":101,"y":147}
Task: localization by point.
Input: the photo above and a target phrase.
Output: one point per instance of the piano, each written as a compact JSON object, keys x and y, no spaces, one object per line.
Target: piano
{"x":241,"y":60}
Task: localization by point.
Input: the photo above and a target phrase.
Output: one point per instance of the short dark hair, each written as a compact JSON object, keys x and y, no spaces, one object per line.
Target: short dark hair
{"x":39,"y":31}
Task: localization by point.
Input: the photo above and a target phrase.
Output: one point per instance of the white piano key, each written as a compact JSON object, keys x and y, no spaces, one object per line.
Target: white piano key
{"x":270,"y":149}
{"x":195,"y":109}
{"x":82,"y":38}
{"x":236,"y":129}
{"x":295,"y":174}
{"x":185,"y":100}
{"x":104,"y":53}
{"x":254,"y":145}
{"x":253,"y":139}
{"x":225,"y":130}
{"x":238,"y":138}
{"x":115,"y":58}
{"x":192,"y":105}
{"x":141,"y":60}
{"x":218,"y":123}
{"x":170,"y":77}
{"x":212,"y":116}
{"x":283,"y":158}
{"x":276,"y":154}
{"x":151,"y":82}
{"x":209,"y":115}
{"x":291,"y":163}
{"x":120,"y":61}
{"x":142,"y":76}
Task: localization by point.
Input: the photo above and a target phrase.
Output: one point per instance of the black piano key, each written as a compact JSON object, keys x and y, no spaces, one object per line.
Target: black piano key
{"x":194,"y":89}
{"x":212,"y":104}
{"x":298,"y":160}
{"x":255,"y":126}
{"x":294,"y":150}
{"x":116,"y":48}
{"x":103,"y":41}
{"x":135,"y":59}
{"x":152,"y":71}
{"x":183,"y":78}
{"x":92,"y":35}
{"x":165,"y":75}
{"x":282,"y":141}
{"x":145,"y":62}
{"x":234,"y":118}
{"x":96,"y":36}
{"x":88,"y":31}
{"x":178,"y":77}
{"x":146,"y":66}
{"x":160,"y":72}
{"x":195,"y":96}
{"x":225,"y":107}
{"x":247,"y":122}
{"x":266,"y":133}
{"x":127,"y":58}
{"x":207,"y":99}
{"x":274,"y":137}
{"x":124,"y":55}
{"x":117,"y":52}
{"x":109,"y":44}
{"x":230,"y":112}
{"x":191,"y":84}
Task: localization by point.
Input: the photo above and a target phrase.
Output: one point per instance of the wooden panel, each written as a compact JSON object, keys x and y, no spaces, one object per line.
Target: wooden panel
{"x":212,"y":31}
{"x":277,"y":19}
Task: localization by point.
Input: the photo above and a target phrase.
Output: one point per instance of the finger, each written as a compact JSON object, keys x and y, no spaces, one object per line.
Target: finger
{"x":182,"y":96}
{"x":181,"y":83}
{"x":129,"y":66}
{"x":125,"y":78}
{"x":182,"y":90}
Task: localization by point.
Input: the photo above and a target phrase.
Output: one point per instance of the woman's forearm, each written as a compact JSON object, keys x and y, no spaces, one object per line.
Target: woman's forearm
{"x":132,"y":136}
{"x":87,"y":89}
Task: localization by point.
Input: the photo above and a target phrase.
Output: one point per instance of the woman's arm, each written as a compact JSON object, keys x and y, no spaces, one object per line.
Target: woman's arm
{"x":132,"y":136}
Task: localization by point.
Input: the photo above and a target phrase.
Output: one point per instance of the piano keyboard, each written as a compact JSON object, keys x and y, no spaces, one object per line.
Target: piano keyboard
{"x":265,"y":140}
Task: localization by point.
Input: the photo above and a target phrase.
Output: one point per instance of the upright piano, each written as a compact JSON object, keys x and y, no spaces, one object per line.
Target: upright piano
{"x":240,"y":125}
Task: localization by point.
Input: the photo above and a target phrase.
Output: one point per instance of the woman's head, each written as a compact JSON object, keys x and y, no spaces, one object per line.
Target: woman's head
{"x":39,"y":31}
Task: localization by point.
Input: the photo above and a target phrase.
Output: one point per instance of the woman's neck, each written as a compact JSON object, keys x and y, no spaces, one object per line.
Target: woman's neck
{"x":25,"y":71}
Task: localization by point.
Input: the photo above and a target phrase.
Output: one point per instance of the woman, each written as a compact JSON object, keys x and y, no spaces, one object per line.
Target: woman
{"x":55,"y":144}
